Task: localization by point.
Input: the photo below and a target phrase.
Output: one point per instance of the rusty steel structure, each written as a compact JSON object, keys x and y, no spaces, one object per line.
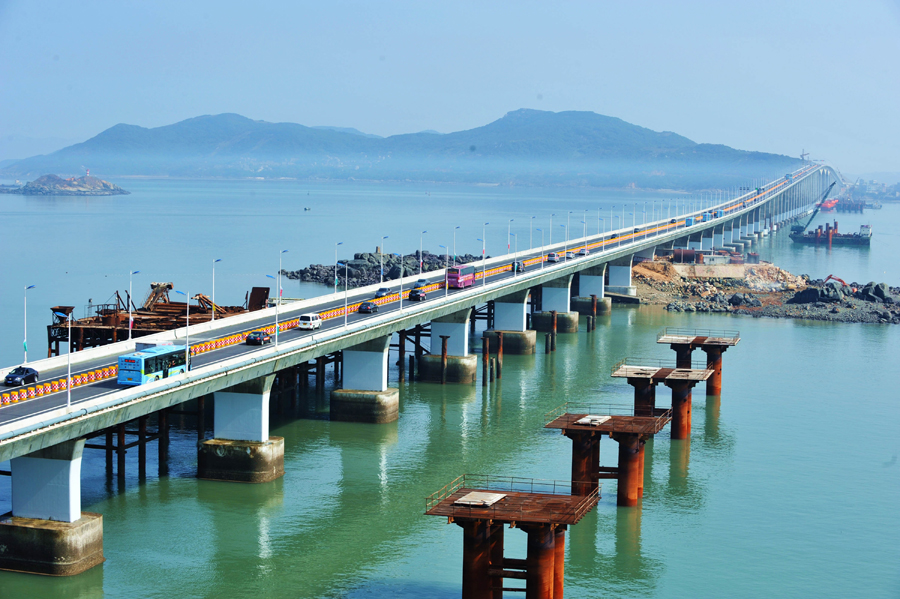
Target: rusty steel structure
{"x":714,"y":343}
{"x":644,"y":375}
{"x":109,"y":322}
{"x":481,"y":505}
{"x":585,"y":425}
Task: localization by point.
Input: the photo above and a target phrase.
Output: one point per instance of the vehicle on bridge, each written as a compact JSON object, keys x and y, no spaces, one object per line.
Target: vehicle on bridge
{"x":583,"y":252}
{"x":152,"y":364}
{"x":552,"y":257}
{"x":382,"y":292}
{"x":258,"y":338}
{"x":367,"y":307}
{"x":460,"y":277}
{"x":518,"y":266}
{"x":309,"y":322}
{"x":417,"y":295}
{"x":21,"y":376}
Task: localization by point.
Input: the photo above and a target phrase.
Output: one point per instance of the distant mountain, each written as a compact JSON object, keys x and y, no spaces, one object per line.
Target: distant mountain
{"x":51,"y":185}
{"x":348,"y":130}
{"x":525,"y":147}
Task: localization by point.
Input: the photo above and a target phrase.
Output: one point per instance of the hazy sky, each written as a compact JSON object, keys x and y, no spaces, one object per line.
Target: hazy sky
{"x":764,"y":75}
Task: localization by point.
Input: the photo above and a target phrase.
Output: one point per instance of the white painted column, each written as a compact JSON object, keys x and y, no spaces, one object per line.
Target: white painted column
{"x":511,"y":312}
{"x":556,"y":294}
{"x":366,"y":366}
{"x":620,"y":277}
{"x":718,"y":239}
{"x":456,"y":326}
{"x":46,"y":484}
{"x":241,"y":413}
{"x":695,"y":242}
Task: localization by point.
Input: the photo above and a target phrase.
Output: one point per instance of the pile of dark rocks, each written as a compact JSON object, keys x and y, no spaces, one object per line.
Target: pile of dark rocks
{"x":365,"y":268}
{"x":719,"y":302}
{"x":833,"y":291}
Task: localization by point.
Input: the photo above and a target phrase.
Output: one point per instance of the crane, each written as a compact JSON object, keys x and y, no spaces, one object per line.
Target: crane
{"x":799,"y":229}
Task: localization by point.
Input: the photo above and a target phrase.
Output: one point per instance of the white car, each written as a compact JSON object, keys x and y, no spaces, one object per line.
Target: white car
{"x":553,"y":257}
{"x":310,"y":321}
{"x":583,"y":252}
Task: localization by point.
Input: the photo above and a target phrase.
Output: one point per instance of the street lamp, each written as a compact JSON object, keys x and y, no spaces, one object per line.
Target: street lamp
{"x":619,"y":244}
{"x":551,"y":227}
{"x":584,"y":234}
{"x":276,"y":312}
{"x":446,"y":269}
{"x":381,"y":255}
{"x":421,"y":257}
{"x":508,"y":232}
{"x":516,"y":254}
{"x":25,"y":339}
{"x":131,"y":273}
{"x":335,"y":264}
{"x":214,"y":288}
{"x":566,"y":227}
{"x":530,"y":228}
{"x":278,"y":299}
{"x":401,"y":282}
{"x":455,"y":260}
{"x":542,"y":248}
{"x":187,"y":333}
{"x":69,"y":370}
{"x":483,"y":257}
{"x":346,"y":287}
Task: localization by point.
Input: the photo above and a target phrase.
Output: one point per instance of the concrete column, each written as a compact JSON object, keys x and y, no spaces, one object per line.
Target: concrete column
{"x":540,"y":561}
{"x":365,"y":396}
{"x":718,"y":240}
{"x":242,"y":450}
{"x":46,"y":484}
{"x":620,"y":277}
{"x":629,"y":469}
{"x":592,"y":282}
{"x":461,"y":367}
{"x":510,"y":311}
{"x":714,"y":361}
{"x":476,"y":582}
{"x":681,"y":408}
{"x":556,"y":294}
{"x":695,"y":242}
{"x":559,"y":561}
{"x":706,"y":240}
{"x":47,"y":533}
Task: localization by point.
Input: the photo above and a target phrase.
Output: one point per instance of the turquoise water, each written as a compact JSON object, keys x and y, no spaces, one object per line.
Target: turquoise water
{"x":788,"y":486}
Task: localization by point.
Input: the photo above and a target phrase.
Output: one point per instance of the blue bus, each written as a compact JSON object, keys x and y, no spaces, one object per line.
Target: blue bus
{"x":151,"y":364}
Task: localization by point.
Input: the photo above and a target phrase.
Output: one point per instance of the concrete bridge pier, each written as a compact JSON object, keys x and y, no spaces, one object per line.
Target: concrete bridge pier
{"x":695,"y":241}
{"x":592,"y":283}
{"x":620,"y":276}
{"x":511,"y":318}
{"x":556,"y":297}
{"x":46,"y":532}
{"x":718,"y":237}
{"x":366,"y":396}
{"x":458,"y":366}
{"x":242,"y":450}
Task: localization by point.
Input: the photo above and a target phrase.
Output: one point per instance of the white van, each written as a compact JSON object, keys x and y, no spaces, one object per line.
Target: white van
{"x":310,"y":321}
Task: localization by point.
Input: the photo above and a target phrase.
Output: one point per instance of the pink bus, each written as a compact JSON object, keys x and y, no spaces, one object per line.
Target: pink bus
{"x":459,"y":277}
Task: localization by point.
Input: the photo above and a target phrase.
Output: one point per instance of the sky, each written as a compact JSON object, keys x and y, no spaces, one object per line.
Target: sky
{"x":766,"y":75}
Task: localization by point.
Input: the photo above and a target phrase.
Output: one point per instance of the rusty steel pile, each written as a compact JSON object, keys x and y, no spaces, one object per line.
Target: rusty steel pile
{"x":108,"y":322}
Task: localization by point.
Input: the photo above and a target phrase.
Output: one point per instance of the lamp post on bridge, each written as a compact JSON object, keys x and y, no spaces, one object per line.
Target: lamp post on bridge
{"x":508,"y":233}
{"x":515,"y":254}
{"x":335,"y":264}
{"x":455,"y":259}
{"x":276,"y":311}
{"x":214,"y":288}
{"x":68,"y":317}
{"x":551,"y":228}
{"x":380,"y":255}
{"x":25,"y":338}
{"x":131,"y":273}
{"x":446,"y":269}
{"x":421,"y":256}
{"x":483,"y":255}
{"x":530,"y":233}
{"x":346,"y":288}
{"x":566,"y":250}
{"x":401,"y":282}
{"x":542,"y":248}
{"x":187,"y":332}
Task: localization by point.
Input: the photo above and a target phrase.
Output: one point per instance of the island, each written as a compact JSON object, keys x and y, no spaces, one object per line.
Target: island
{"x":52,"y":185}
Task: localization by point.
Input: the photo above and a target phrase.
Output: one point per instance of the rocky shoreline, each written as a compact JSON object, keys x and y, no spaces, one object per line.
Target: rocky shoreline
{"x":365,"y":268}
{"x":767,"y":291}
{"x":51,"y":185}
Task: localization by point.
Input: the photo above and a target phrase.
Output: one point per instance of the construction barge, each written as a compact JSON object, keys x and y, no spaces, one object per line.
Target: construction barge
{"x":829,"y":236}
{"x":109,"y":322}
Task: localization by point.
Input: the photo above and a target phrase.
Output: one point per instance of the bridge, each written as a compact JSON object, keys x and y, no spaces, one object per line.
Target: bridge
{"x":43,"y":426}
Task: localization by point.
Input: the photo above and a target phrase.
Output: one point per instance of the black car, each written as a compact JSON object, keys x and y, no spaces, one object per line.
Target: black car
{"x":382,"y":292}
{"x":258,"y":338}
{"x":417,"y":295}
{"x":518,"y":266}
{"x":367,"y":307}
{"x":22,"y":376}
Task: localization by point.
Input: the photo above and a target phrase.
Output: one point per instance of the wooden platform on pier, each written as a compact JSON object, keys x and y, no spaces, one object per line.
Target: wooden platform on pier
{"x":698,"y":337}
{"x":508,"y":503}
{"x":642,"y":425}
{"x":660,"y":374}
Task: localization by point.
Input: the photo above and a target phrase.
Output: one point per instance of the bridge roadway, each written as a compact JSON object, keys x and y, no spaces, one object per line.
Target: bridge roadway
{"x":43,"y":421}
